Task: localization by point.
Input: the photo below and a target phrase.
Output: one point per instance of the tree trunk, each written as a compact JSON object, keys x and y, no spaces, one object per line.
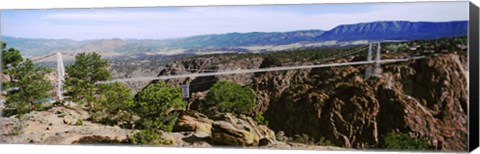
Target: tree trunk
{"x":32,"y":104}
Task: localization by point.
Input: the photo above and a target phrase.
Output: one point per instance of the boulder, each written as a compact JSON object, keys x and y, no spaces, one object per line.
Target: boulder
{"x":185,"y":139}
{"x":69,"y":120}
{"x":191,"y":121}
{"x":228,"y":129}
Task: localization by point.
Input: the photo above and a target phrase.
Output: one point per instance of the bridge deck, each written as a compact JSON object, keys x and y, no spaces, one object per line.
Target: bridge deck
{"x":230,"y":72}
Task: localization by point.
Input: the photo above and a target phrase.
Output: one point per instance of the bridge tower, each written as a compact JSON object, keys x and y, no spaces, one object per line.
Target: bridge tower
{"x":374,"y":70}
{"x":60,"y":75}
{"x":369,"y":69}
{"x":378,"y":70}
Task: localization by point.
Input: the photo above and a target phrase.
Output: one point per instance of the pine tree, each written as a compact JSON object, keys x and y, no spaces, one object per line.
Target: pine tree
{"x":81,"y":76}
{"x":10,"y":59}
{"x":155,"y":104}
{"x":32,"y":87}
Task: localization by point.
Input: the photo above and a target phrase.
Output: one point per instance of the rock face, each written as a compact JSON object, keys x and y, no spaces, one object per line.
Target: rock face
{"x":191,"y":121}
{"x":240,"y":131}
{"x":426,"y":98}
{"x":433,"y":103}
{"x":59,"y":125}
{"x":343,"y":112}
{"x":225,"y":129}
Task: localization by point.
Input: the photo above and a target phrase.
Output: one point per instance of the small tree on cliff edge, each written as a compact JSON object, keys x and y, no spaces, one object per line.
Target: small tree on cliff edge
{"x":27,"y":78}
{"x":114,"y":103}
{"x":155,"y":104}
{"x":32,"y":86}
{"x":81,"y":76}
{"x":227,"y":96}
{"x":10,"y":59}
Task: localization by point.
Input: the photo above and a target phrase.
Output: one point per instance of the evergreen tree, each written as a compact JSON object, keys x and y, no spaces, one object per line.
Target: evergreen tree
{"x":10,"y":57}
{"x":114,"y":103}
{"x":227,"y":96}
{"x":113,"y":98}
{"x":155,"y":104}
{"x":81,"y":76}
{"x":32,"y":87}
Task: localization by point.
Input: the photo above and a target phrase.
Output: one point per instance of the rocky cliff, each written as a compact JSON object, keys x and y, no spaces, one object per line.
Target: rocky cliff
{"x":425,"y":98}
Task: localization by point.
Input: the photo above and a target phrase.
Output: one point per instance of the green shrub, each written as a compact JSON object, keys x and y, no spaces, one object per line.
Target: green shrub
{"x":63,"y":114}
{"x":79,"y":122}
{"x":113,"y":98}
{"x":98,"y":116}
{"x":261,"y":120}
{"x":146,"y":137}
{"x":114,"y":103}
{"x":227,"y":96}
{"x":17,"y":129}
{"x":155,"y":103}
{"x":324,"y":142}
{"x":402,"y":141}
{"x":124,"y":119}
{"x":303,"y":138}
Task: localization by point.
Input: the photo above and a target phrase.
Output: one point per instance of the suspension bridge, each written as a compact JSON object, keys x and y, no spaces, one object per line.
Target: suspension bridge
{"x":373,"y":68}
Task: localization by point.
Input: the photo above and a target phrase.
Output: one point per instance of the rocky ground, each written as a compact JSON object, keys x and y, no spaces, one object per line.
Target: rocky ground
{"x":61,"y":125}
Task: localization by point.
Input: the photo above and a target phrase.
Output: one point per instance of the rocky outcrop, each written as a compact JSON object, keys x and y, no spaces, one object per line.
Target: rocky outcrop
{"x":228,"y":130}
{"x":185,"y":139}
{"x":429,"y":99}
{"x":240,"y":131}
{"x":59,"y":125}
{"x":425,"y":98}
{"x":343,"y":112}
{"x":225,"y":129}
{"x":291,"y":145}
{"x":191,"y":121}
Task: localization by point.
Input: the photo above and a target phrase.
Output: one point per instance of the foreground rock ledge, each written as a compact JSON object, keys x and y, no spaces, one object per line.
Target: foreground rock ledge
{"x":60,"y":125}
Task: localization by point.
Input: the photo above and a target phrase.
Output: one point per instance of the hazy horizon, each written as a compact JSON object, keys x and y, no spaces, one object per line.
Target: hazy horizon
{"x":161,"y":23}
{"x":210,"y":34}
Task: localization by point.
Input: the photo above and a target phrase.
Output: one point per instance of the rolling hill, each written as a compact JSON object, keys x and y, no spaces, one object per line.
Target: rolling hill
{"x":372,"y":31}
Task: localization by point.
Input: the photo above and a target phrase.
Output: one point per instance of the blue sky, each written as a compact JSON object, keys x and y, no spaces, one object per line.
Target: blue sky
{"x":174,"y":22}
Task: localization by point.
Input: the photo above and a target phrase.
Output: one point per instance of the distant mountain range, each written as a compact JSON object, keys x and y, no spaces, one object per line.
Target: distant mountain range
{"x":372,"y":31}
{"x":396,"y":30}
